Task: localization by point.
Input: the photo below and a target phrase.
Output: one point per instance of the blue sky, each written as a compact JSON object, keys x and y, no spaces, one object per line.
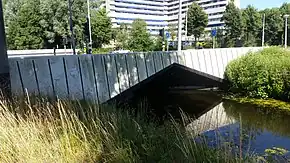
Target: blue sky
{"x":261,"y":4}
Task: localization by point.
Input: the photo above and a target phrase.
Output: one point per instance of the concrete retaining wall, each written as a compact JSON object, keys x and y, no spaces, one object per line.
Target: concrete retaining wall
{"x":101,"y":77}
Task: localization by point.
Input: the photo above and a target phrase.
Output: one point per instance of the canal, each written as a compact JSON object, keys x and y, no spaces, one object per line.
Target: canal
{"x":223,"y":122}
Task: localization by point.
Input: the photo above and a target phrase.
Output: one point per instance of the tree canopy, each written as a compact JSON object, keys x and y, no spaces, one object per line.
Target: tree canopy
{"x":197,"y":20}
{"x":139,"y":37}
{"x":101,"y":28}
{"x":233,"y":23}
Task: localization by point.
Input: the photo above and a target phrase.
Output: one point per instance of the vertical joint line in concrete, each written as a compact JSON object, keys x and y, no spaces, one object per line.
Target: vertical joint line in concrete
{"x":95,"y":79}
{"x":20,"y":76}
{"x":66,"y":79}
{"x":51,"y":78}
{"x":106,"y":73}
{"x":127,"y":69}
{"x":81,"y":76}
{"x":191,"y":56}
{"x":153,"y":61}
{"x":36,"y":78}
{"x":161,"y":56}
{"x":137,"y":68}
{"x":118,"y":78}
{"x":145,"y":65}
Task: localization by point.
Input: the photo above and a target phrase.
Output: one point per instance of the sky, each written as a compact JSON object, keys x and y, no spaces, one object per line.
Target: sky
{"x":262,"y":4}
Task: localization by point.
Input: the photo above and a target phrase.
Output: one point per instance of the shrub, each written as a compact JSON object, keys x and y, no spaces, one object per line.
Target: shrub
{"x":262,"y":74}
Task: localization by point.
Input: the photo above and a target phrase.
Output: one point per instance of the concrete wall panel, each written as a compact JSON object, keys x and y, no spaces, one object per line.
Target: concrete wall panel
{"x":88,"y":77}
{"x":121,"y":62}
{"x":59,"y":78}
{"x":112,"y":75}
{"x":75,"y":90}
{"x":132,"y":70}
{"x":101,"y":78}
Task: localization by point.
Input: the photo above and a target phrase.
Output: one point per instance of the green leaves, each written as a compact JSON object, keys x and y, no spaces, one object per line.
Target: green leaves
{"x":101,"y":28}
{"x":197,"y":20}
{"x":24,"y":31}
{"x":252,"y":22}
{"x":234,"y":24}
{"x":139,"y":37}
{"x":262,"y":74}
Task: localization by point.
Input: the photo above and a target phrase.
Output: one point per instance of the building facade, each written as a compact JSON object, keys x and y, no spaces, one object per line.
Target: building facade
{"x":160,"y":14}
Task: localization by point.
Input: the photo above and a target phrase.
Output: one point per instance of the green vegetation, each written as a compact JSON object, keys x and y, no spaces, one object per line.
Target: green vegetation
{"x":197,"y":21}
{"x":263,"y":74}
{"x":244,"y":26}
{"x":101,"y":28}
{"x":36,"y":130}
{"x":233,"y":22}
{"x":139,"y":37}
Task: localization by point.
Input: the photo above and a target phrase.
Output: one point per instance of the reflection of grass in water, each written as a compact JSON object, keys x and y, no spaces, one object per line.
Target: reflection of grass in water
{"x":66,"y":131}
{"x":260,"y":118}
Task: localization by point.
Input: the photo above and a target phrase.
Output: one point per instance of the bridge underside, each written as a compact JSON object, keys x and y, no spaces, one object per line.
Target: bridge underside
{"x":174,"y":83}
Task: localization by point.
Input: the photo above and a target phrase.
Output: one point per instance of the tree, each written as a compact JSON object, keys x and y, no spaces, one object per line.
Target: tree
{"x":122,"y":36}
{"x":252,"y":21}
{"x":101,"y":28}
{"x":274,"y":26}
{"x":197,"y":21}
{"x":139,"y":37}
{"x":52,"y":17}
{"x":24,"y":30}
{"x":172,"y":28}
{"x":54,"y":21}
{"x":233,"y":24}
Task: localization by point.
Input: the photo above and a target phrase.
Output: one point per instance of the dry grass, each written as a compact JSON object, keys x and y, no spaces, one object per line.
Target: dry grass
{"x":39,"y":131}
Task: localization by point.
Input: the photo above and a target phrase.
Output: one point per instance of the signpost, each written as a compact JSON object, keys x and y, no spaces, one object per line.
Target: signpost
{"x":213,"y":34}
{"x":4,"y":65}
{"x":167,"y":38}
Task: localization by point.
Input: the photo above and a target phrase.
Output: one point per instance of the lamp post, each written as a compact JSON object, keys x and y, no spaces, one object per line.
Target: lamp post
{"x":4,"y":65}
{"x":286,"y":29}
{"x":263,"y":35}
{"x":73,"y":43}
{"x":179,"y":26}
{"x":90,"y":28}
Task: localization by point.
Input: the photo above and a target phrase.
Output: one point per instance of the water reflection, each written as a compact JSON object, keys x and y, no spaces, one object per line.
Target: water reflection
{"x":258,"y":129}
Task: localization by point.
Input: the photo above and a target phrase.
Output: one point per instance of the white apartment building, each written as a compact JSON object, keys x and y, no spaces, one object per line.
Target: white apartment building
{"x":159,"y":14}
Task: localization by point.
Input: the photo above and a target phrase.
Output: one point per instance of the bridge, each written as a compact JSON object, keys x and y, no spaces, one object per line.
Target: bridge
{"x":103,"y":77}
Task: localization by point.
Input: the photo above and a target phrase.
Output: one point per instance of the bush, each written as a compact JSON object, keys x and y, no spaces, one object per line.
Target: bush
{"x":262,"y":74}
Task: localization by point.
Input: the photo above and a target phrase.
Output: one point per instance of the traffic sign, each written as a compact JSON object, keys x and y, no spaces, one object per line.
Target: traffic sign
{"x":167,"y":35}
{"x":213,"y":32}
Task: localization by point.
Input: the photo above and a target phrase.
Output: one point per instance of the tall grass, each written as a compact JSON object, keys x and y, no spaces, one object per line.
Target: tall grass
{"x":63,"y":131}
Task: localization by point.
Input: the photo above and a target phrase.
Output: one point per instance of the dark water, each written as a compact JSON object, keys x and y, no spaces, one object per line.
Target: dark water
{"x":223,"y":122}
{"x":258,"y":129}
{"x":243,"y":126}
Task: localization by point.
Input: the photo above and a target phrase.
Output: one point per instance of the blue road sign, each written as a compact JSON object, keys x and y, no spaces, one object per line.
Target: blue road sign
{"x":213,"y":32}
{"x":167,"y":35}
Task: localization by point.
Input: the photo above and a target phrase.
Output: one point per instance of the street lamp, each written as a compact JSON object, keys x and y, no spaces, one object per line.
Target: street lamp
{"x":179,"y":25}
{"x":286,"y":28}
{"x":263,"y":35}
{"x":90,"y":28}
{"x":71,"y":27}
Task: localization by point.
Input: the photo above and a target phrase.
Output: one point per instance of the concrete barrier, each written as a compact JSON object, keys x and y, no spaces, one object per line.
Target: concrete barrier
{"x":101,"y":77}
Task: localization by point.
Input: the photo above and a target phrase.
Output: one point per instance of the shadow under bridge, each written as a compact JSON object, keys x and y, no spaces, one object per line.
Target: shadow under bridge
{"x":174,"y":87}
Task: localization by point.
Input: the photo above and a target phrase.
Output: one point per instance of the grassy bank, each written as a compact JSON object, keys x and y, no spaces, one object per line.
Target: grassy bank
{"x":40,"y":131}
{"x":269,"y":105}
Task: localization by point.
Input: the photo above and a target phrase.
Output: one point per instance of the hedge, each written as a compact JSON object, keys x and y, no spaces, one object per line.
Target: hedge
{"x":262,"y":74}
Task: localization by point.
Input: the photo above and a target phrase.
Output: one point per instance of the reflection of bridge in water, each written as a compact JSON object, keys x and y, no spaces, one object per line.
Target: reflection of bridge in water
{"x":102,"y":77}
